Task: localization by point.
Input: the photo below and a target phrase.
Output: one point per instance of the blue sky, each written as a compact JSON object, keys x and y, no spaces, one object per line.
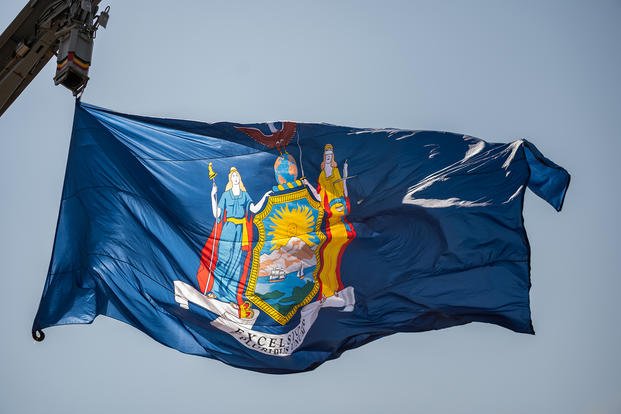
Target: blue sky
{"x":547,"y":71}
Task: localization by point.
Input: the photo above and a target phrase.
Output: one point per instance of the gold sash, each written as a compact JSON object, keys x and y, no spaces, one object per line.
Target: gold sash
{"x":241,"y":221}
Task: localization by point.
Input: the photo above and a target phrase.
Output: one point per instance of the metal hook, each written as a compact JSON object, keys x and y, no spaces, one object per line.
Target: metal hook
{"x":38,"y":335}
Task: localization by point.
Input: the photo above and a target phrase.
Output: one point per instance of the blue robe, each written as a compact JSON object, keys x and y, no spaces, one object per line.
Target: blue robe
{"x":230,"y":264}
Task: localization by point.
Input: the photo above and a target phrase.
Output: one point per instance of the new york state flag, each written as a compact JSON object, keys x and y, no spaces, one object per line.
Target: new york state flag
{"x":275,"y":247}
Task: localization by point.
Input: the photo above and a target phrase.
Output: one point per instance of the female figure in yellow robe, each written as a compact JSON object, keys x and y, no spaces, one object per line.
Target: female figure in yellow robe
{"x":332,"y":192}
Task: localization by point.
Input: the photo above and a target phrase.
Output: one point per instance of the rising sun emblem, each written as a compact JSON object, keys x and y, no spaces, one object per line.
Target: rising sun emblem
{"x":288,"y":222}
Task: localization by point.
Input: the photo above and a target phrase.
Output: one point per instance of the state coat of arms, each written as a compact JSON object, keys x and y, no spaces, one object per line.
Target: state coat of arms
{"x":278,"y":257}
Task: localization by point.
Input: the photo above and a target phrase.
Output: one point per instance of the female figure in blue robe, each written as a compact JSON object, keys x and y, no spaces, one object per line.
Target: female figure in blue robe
{"x":234,"y":241}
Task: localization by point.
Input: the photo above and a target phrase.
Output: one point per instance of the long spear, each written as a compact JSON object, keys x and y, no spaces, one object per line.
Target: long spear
{"x":212,"y":177}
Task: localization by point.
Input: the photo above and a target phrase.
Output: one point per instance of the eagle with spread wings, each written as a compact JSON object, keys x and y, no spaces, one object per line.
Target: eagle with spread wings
{"x":279,"y":138}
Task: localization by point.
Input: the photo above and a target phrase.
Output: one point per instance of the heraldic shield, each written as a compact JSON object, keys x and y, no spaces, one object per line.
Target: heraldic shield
{"x":285,"y":259}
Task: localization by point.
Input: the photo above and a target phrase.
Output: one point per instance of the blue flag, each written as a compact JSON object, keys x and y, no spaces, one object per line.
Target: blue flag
{"x":275,"y":247}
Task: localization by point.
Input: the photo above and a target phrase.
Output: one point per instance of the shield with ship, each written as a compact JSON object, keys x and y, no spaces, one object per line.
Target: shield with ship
{"x":285,"y":260}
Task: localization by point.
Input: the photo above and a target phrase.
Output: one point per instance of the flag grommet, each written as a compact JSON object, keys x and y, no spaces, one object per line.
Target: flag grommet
{"x":38,"y":335}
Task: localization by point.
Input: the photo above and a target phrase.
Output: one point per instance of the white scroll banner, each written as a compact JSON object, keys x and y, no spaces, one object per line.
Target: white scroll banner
{"x":241,"y":329}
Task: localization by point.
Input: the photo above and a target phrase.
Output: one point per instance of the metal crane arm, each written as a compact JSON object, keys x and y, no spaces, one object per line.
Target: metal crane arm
{"x":42,"y":29}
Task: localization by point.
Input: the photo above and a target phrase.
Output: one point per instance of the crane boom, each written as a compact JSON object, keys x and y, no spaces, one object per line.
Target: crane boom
{"x":44,"y":28}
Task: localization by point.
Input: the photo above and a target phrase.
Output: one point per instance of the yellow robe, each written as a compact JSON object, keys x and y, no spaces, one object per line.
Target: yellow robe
{"x":339,"y":232}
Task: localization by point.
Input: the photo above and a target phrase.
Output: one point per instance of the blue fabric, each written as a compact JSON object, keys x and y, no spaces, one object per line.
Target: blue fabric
{"x":425,"y":232}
